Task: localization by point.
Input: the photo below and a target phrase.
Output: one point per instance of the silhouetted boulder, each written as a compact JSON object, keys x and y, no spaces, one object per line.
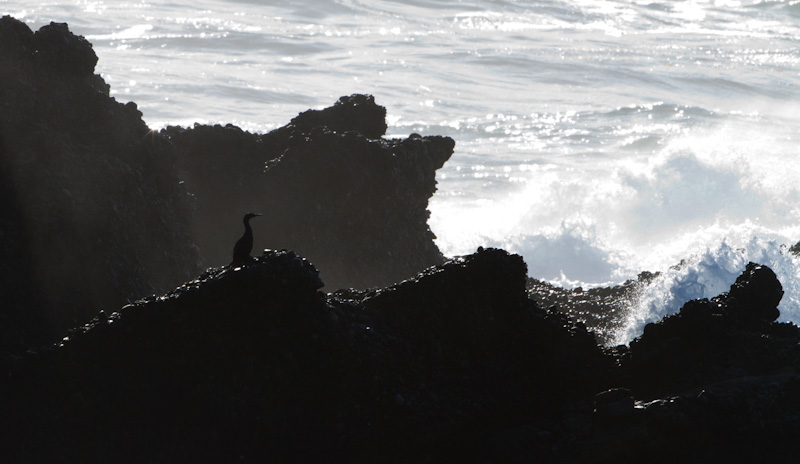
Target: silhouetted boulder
{"x":357,"y":113}
{"x":757,"y":293}
{"x":328,"y":186}
{"x":16,"y":42}
{"x":614,"y":403}
{"x":93,"y":213}
{"x":59,"y":51}
{"x":708,"y":341}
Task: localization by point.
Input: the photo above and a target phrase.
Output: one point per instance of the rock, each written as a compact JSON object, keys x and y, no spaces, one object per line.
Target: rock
{"x":248,"y":364}
{"x":757,"y":292}
{"x":329,"y":188}
{"x":62,"y":52}
{"x":602,"y":309}
{"x":93,"y":214}
{"x":456,"y":363}
{"x":96,"y":212}
{"x":711,"y":340}
{"x":16,"y":41}
{"x":614,"y":403}
{"x":357,"y":113}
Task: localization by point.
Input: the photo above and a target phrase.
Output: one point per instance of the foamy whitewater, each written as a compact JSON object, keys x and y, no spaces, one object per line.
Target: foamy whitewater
{"x":596,"y":138}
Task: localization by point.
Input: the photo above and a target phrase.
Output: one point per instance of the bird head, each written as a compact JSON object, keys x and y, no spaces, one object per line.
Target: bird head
{"x":249,"y":216}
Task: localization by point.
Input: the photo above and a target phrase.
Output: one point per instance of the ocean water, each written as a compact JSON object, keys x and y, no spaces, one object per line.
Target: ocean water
{"x":597,"y":138}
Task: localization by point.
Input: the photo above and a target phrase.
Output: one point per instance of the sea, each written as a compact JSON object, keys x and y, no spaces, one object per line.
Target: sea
{"x":596,"y":138}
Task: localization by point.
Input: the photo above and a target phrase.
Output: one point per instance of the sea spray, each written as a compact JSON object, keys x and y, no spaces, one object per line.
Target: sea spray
{"x":570,"y":255}
{"x":687,"y":180}
{"x":707,"y":275}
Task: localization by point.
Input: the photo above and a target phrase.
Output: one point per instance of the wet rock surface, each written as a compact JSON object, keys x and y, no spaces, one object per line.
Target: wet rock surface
{"x":601,"y":309}
{"x":329,"y":187}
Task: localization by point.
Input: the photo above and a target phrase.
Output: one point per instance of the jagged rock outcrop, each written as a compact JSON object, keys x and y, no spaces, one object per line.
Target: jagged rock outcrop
{"x":328,"y":186}
{"x":731,"y":335}
{"x":356,"y":113}
{"x":92,"y":211}
{"x":601,"y":309}
{"x":717,"y":382}
{"x":255,"y":364}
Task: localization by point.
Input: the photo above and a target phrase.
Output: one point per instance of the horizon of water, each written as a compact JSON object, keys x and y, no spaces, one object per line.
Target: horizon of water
{"x":596,"y":138}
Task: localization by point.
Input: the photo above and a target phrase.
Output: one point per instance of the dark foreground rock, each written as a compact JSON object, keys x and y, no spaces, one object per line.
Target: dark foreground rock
{"x":329,"y":187}
{"x":255,"y":364}
{"x":708,"y":341}
{"x":716,"y":382}
{"x":92,"y":213}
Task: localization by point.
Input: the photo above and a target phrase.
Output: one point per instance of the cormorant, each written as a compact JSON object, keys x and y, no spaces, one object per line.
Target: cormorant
{"x":243,"y":247}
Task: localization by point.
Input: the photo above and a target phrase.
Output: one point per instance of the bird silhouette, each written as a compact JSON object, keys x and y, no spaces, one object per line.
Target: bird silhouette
{"x":243,"y":247}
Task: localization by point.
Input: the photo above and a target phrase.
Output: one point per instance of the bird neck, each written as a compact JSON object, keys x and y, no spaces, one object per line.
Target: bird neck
{"x":247,"y":229}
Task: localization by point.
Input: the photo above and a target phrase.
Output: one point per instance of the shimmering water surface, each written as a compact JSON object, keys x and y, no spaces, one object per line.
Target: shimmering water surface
{"x":597,"y":138}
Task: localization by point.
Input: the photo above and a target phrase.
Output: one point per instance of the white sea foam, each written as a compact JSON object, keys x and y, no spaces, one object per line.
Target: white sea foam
{"x":632,"y":210}
{"x":708,"y":274}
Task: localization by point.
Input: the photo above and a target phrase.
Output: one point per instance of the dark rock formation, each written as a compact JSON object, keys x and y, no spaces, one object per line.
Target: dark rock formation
{"x":329,"y":188}
{"x":717,"y":382}
{"x":755,"y":296}
{"x":357,"y":113}
{"x":92,"y":212}
{"x":614,"y":403}
{"x":601,"y":309}
{"x":457,"y":365}
{"x":256,"y":365}
{"x":731,"y":335}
